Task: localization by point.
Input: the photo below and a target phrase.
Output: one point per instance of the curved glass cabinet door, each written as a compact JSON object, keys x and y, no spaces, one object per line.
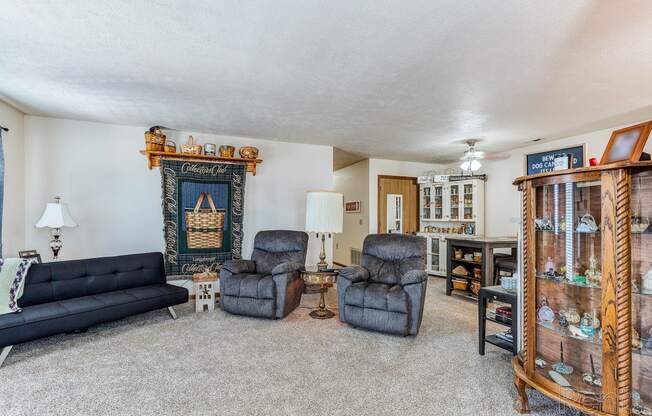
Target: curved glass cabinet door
{"x":568,"y":289}
{"x":641,"y":250}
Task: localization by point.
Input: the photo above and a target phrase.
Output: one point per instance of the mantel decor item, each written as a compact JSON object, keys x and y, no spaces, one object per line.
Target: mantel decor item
{"x":626,"y":144}
{"x":227,"y":150}
{"x":199,"y":237}
{"x":55,"y":217}
{"x":191,"y":147}
{"x":210,"y":149}
{"x":248,"y":152}
{"x":324,"y":215}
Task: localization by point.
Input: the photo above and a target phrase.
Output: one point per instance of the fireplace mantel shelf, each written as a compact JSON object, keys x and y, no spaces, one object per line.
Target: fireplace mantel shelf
{"x":154,"y":159}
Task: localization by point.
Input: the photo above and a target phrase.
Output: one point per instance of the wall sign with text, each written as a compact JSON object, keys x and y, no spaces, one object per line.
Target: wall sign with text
{"x":545,"y":161}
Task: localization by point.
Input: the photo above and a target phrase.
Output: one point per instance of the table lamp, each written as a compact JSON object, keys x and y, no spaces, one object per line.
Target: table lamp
{"x":324,"y":215}
{"x":56,"y":216}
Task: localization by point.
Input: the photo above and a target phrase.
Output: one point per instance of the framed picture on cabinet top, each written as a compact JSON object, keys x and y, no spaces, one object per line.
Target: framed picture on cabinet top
{"x":626,"y":144}
{"x":352,"y":207}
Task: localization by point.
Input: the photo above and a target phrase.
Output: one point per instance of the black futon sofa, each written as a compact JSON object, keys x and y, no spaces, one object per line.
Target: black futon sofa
{"x":70,"y":296}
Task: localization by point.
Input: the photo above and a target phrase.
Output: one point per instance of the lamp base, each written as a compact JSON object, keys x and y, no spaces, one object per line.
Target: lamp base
{"x":56,"y":244}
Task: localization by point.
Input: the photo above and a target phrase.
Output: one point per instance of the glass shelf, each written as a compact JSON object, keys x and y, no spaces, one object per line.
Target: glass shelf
{"x":565,"y":333}
{"x":564,"y":282}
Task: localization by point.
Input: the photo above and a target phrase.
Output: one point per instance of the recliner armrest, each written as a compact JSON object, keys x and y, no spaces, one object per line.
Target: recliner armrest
{"x":239,"y":266}
{"x":414,"y":277}
{"x":354,"y":273}
{"x":287,"y":267}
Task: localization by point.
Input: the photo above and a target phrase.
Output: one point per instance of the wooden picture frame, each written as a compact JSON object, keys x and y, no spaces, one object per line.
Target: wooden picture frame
{"x":626,"y":144}
{"x":30,"y":254}
{"x":352,"y":207}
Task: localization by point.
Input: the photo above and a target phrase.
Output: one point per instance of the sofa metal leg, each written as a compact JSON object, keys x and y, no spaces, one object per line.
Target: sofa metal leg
{"x":172,"y":312}
{"x":4,"y":354}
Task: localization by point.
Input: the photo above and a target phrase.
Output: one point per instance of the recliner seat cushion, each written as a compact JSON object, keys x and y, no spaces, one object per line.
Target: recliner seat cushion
{"x":68,"y":315}
{"x":256,"y":286}
{"x":377,"y":296}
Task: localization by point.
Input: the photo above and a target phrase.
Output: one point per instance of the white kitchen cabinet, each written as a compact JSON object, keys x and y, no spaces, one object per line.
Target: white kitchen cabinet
{"x":446,"y":205}
{"x":436,"y":254}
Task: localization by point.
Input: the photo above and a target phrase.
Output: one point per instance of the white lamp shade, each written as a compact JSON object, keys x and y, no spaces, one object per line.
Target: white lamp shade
{"x":56,"y":215}
{"x":324,"y":212}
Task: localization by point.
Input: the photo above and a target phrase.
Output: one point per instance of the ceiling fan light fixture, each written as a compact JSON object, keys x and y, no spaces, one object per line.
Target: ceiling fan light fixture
{"x":471,"y":165}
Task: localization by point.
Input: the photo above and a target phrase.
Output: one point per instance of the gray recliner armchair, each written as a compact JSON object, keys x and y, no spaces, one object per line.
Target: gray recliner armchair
{"x":270,"y":284}
{"x":387,"y":292}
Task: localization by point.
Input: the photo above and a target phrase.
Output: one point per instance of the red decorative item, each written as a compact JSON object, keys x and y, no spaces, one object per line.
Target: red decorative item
{"x":593,"y":161}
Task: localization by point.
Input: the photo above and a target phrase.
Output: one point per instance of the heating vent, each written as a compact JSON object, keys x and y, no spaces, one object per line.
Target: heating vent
{"x":356,"y":256}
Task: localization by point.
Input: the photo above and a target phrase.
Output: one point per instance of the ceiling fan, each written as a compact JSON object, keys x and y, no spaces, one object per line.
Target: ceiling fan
{"x":471,"y":158}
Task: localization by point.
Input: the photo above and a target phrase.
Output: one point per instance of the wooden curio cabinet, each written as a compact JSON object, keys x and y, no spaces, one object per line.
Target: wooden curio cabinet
{"x":587,"y":289}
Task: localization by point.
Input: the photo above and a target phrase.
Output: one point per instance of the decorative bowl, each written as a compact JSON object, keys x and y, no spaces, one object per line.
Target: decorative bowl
{"x":248,"y":152}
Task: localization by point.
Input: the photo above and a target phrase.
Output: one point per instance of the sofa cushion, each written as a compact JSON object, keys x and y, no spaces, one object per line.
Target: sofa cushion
{"x":50,"y":282}
{"x":52,"y":318}
{"x":256,"y":286}
{"x":378,"y":296}
{"x":70,"y":307}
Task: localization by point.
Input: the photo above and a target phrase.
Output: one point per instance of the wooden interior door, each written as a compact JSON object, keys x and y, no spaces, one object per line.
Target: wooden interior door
{"x":403,"y":185}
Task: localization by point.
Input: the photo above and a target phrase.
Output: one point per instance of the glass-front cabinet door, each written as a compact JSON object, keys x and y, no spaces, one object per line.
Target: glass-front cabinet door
{"x":438,"y":202}
{"x":569,"y":289}
{"x":434,"y":254}
{"x":426,"y":201}
{"x":454,"y":202}
{"x":641,"y":252}
{"x":468,"y":201}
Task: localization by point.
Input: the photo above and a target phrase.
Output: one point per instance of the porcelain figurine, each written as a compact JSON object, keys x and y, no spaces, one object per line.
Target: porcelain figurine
{"x":573,"y":317}
{"x":563,"y":321}
{"x":646,"y":283}
{"x":540,"y":362}
{"x":577,"y":332}
{"x":587,"y":224}
{"x":593,"y":274}
{"x":549,"y":266}
{"x":639,"y":224}
{"x":543,"y":224}
{"x":586,"y":325}
{"x":562,"y":226}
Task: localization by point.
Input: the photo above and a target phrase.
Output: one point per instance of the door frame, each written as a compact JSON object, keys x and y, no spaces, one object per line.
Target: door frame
{"x":418,"y":202}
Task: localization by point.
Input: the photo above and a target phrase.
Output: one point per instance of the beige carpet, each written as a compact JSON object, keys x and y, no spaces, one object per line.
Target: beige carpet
{"x":219,"y":364}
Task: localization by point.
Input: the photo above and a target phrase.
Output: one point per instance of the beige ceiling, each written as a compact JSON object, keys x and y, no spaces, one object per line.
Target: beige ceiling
{"x":387,"y":79}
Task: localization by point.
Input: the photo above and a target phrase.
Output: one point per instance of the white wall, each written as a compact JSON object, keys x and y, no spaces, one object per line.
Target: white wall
{"x":98,"y":170}
{"x":392,"y":168}
{"x":502,"y":199}
{"x":353,"y":182}
{"x":13,"y":232}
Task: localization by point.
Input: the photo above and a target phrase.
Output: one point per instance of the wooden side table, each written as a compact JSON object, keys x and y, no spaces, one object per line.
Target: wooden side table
{"x":324,"y":279}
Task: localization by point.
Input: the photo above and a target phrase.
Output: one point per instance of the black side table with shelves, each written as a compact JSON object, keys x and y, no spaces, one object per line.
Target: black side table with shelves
{"x":497,"y":293}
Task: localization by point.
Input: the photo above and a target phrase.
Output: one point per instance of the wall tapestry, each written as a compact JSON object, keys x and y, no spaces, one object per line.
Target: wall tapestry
{"x":203,"y":205}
